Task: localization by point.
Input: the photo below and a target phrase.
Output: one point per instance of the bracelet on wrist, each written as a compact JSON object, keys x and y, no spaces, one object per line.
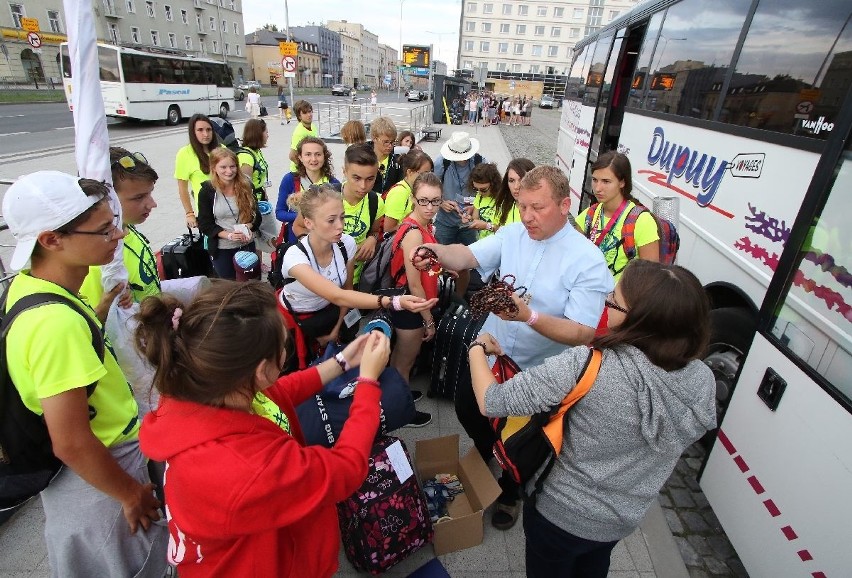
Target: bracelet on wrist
{"x":396,"y":302}
{"x":342,"y":362}
{"x":477,"y":344}
{"x":381,"y":305}
{"x":533,"y":317}
{"x":190,"y":213}
{"x":429,"y":324}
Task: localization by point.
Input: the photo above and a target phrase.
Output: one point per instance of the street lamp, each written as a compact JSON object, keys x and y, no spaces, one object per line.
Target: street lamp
{"x":399,"y":67}
{"x":666,"y":43}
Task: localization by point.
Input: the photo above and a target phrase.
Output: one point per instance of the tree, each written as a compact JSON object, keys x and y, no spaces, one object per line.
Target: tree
{"x":271,"y":27}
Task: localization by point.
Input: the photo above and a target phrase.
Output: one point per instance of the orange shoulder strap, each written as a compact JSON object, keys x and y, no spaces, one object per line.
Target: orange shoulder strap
{"x":554,"y":427}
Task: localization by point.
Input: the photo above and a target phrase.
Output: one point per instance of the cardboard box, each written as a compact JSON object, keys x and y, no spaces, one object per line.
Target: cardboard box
{"x":465,"y":529}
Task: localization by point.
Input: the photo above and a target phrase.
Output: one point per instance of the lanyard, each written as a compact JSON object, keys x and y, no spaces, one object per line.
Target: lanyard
{"x":146,"y":252}
{"x":333,"y":260}
{"x":596,"y":238}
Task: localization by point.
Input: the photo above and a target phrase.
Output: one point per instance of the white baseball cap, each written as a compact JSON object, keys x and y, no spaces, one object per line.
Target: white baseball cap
{"x":38,"y":202}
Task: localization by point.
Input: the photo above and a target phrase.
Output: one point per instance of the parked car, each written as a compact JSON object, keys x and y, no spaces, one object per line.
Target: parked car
{"x":339,"y":90}
{"x":249,"y":84}
{"x":546,"y":101}
{"x":416,"y":95}
{"x":239,"y":93}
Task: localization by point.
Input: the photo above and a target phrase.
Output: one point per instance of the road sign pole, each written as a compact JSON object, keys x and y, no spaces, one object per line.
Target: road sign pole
{"x":287,"y":28}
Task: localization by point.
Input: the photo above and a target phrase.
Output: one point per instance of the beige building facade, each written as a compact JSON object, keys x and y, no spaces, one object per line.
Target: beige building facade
{"x":366,"y":69}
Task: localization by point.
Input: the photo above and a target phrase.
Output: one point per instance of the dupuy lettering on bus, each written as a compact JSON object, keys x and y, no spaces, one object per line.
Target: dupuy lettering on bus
{"x":695,"y":167}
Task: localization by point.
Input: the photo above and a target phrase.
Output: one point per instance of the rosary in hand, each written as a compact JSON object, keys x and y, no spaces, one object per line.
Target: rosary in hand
{"x":496,"y":297}
{"x":432,"y":263}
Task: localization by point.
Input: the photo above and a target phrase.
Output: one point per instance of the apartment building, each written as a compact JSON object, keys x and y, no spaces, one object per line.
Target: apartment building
{"x":365,"y":63}
{"x":529,"y":37}
{"x":329,"y":44}
{"x":209,"y":28}
{"x":264,"y":58}
{"x":389,"y":62}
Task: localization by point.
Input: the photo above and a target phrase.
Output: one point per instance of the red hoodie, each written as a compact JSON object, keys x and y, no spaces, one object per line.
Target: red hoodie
{"x":244,"y":498}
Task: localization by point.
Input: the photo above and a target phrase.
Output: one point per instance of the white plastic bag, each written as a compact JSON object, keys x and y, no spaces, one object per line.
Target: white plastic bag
{"x":185,"y":289}
{"x":120,"y":327}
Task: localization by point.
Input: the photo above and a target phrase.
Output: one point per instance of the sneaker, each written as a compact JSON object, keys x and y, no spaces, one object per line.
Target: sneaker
{"x":416,"y":395}
{"x":420,"y":419}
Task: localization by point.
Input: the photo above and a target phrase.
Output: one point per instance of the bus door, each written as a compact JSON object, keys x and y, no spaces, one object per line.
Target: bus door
{"x":779,"y":476}
{"x":622,"y":82}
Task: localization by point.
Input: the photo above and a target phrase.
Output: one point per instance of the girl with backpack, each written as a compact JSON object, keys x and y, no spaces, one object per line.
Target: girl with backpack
{"x":653,"y":397}
{"x":192,"y":164}
{"x":246,"y":496}
{"x":313,"y":167}
{"x":604,"y":222}
{"x":252,"y":162}
{"x":398,"y":203}
{"x":318,"y":271}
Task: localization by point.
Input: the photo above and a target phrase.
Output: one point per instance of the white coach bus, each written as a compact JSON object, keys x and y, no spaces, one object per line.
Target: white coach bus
{"x":148,"y":83}
{"x":742,"y":110}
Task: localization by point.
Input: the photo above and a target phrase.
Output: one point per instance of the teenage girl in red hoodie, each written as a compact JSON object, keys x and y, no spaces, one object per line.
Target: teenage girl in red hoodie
{"x":244,"y":495}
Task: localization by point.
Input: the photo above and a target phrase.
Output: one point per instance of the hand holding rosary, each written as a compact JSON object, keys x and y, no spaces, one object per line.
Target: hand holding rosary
{"x":496,"y":297}
{"x":427,"y":255}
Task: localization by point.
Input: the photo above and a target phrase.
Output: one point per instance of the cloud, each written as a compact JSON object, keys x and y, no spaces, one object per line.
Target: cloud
{"x":423,"y":22}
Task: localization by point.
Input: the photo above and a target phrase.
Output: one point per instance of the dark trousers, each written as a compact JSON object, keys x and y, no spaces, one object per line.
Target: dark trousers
{"x":480,"y":431}
{"x":551,"y":552}
{"x":223,"y":262}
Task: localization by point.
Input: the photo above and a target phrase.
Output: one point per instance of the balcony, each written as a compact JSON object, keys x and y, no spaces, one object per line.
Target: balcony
{"x":109,"y":10}
{"x":199,"y":4}
{"x":202,"y":31}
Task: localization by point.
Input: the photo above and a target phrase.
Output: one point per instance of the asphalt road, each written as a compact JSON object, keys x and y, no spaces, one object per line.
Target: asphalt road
{"x":40,"y":127}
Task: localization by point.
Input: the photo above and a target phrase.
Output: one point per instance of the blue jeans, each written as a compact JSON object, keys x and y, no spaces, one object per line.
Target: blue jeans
{"x":450,"y":234}
{"x":554,"y":553}
{"x":223,"y":262}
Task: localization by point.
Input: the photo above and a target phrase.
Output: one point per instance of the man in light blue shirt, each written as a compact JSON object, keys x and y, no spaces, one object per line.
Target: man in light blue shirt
{"x":566,"y":278}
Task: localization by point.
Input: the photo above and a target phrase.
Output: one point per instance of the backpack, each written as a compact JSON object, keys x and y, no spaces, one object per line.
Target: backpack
{"x":477,"y":158}
{"x":525,"y":444}
{"x":259,"y":192}
{"x":669,"y":239}
{"x":27,"y":462}
{"x":376,"y":274}
{"x":225,"y":131}
{"x":372,"y":203}
{"x":276,"y":276}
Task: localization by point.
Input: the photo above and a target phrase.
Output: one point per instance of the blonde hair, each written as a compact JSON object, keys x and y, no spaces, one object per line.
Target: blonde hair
{"x":246,"y":201}
{"x":316,"y":195}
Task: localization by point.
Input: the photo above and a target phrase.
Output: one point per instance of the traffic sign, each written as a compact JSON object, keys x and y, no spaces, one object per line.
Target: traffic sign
{"x":29,"y":24}
{"x":288,"y":48}
{"x":805,"y":107}
{"x":33,"y":39}
{"x":288,"y":63}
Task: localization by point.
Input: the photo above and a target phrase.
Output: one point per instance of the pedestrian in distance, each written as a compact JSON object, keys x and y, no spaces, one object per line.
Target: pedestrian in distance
{"x":283,"y":106}
{"x":653,"y":397}
{"x":192,"y":164}
{"x":253,"y":103}
{"x":100,"y":509}
{"x":246,"y":496}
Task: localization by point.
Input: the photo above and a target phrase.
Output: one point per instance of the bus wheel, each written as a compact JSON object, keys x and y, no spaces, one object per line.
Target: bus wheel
{"x":173,"y":116}
{"x":223,"y":110}
{"x":731,"y":330}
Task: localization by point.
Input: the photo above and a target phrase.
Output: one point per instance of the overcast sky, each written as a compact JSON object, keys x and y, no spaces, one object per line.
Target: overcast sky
{"x":381,"y":17}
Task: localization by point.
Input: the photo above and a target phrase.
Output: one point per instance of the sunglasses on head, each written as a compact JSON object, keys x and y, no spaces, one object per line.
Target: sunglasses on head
{"x":131,"y":161}
{"x":481,"y":191}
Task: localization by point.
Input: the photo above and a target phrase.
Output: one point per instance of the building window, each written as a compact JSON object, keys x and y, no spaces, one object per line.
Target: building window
{"x":558,"y":12}
{"x":507,"y":10}
{"x":468,"y":44}
{"x":236,"y":28}
{"x":539,"y":31}
{"x":488,"y":8}
{"x":224,"y":26}
{"x":574,"y":33}
{"x":595,"y":16}
{"x":53,"y":20}
{"x":541,"y":11}
{"x":184,"y":17}
{"x":233,"y":6}
{"x":471,"y":7}
{"x":227,"y":48}
{"x":552,"y":50}
{"x":149,"y":7}
{"x":172,"y":40}
{"x":504,"y":29}
{"x":239,"y":50}
{"x":198,"y":21}
{"x":536,"y":50}
{"x":213,"y":25}
{"x":114,"y":34}
{"x":470,"y":26}
{"x":202,"y":48}
{"x":555,"y":32}
{"x":215,"y":47}
{"x":484,"y":46}
{"x":521,"y":29}
{"x":155,"y":38}
{"x":501,"y":67}
{"x":168,"y":12}
{"x":134,"y":35}
{"x":519,"y":48}
{"x":131,"y":7}
{"x":516,"y":68}
{"x":523,"y":10}
{"x":534,"y":68}
{"x":578,"y":13}
{"x":468,"y":65}
{"x":17,"y":14}
{"x":613,"y":14}
{"x":486,"y":27}
{"x":503,"y":47}
{"x":187,"y":42}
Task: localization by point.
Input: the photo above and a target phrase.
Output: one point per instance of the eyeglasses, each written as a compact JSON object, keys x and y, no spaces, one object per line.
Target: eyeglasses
{"x":131,"y":161}
{"x":481,"y":191}
{"x":108,"y":235}
{"x":610,"y":302}
{"x":426,"y":202}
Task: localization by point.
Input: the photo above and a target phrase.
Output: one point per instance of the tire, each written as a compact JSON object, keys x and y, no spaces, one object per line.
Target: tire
{"x":731,"y":332}
{"x":173,"y":115}
{"x":224,"y":110}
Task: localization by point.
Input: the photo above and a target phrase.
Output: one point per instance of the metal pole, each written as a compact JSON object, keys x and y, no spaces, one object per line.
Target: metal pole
{"x":399,"y":61}
{"x":287,"y":30}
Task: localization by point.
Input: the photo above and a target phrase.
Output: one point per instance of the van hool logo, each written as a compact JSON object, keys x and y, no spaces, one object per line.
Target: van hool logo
{"x":701,"y":170}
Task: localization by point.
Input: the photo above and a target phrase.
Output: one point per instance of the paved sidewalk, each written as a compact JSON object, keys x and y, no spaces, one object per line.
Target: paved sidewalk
{"x":648,"y":552}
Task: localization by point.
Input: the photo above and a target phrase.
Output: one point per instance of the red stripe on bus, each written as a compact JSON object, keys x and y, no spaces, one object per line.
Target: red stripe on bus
{"x":661,"y":179}
{"x":726,"y":443}
{"x":741,"y":464}
{"x":805,"y":555}
{"x":772,"y":508}
{"x":755,"y":485}
{"x":818,"y":575}
{"x":789,"y":533}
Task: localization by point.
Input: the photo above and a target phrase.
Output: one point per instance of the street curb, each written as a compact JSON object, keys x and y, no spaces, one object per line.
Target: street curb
{"x":665,"y":555}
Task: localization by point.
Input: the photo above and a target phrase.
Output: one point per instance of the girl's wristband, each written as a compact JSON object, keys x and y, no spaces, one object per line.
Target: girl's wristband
{"x":342,"y":362}
{"x":533,"y":317}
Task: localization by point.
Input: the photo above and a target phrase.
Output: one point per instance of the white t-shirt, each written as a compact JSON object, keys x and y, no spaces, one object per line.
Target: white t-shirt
{"x":301,"y":299}
{"x":253,"y":98}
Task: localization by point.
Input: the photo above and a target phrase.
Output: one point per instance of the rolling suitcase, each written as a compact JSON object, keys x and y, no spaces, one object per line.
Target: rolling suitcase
{"x":387,"y":518}
{"x":456,"y":329}
{"x":185,"y":257}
